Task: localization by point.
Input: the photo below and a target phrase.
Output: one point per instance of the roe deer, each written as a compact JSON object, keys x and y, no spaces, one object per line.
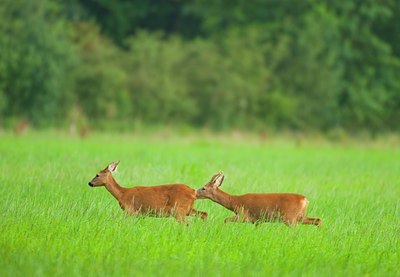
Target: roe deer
{"x":257,"y":207}
{"x":166,"y":200}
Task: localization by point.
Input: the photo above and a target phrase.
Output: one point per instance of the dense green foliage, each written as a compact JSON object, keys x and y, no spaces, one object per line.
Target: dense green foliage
{"x":35,"y":61}
{"x":309,"y":65}
{"x":53,"y":223}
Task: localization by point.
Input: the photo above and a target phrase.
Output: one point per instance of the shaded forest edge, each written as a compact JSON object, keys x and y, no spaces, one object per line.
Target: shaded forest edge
{"x":312,"y":66}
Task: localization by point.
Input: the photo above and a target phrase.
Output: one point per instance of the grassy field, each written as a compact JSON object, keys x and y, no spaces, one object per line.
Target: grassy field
{"x":53,"y":223}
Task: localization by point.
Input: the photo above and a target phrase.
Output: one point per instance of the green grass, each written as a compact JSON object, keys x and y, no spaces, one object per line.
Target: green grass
{"x":53,"y":223}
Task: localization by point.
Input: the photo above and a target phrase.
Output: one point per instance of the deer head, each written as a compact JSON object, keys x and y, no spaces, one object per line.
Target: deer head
{"x":211,"y":187}
{"x":104,"y":176}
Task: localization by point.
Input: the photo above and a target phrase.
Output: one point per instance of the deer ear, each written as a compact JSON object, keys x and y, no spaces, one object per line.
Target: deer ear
{"x":112,"y":167}
{"x":218,"y":181}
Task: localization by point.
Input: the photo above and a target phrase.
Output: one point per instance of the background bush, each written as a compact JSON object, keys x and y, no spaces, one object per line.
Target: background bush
{"x":309,"y":65}
{"x":36,"y":61}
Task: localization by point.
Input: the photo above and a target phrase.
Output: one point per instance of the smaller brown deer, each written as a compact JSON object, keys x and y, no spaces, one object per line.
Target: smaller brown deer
{"x":166,"y":200}
{"x":258,"y":207}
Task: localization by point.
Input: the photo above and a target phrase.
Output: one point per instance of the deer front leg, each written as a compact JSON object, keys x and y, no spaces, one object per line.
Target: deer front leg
{"x":194,"y":212}
{"x":232,"y":219}
{"x":130,"y":211}
{"x":241,"y":218}
{"x":313,"y":221}
{"x":180,"y":215}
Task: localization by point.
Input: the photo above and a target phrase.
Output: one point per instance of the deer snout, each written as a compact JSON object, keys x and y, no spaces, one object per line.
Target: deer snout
{"x":90,"y":184}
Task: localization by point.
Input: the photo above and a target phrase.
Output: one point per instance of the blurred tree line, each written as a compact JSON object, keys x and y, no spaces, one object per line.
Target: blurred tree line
{"x":263,"y":64}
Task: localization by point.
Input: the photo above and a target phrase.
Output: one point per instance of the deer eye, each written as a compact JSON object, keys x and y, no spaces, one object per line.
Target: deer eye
{"x":97,"y":175}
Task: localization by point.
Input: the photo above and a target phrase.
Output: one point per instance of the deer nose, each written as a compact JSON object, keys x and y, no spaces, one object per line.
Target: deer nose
{"x":90,"y":184}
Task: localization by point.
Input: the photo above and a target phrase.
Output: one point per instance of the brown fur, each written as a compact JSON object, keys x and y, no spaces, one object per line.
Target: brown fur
{"x":175,"y":200}
{"x":257,"y":207}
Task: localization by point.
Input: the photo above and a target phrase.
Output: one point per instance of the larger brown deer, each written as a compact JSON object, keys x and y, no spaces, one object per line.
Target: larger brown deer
{"x":166,"y":200}
{"x":257,"y":207}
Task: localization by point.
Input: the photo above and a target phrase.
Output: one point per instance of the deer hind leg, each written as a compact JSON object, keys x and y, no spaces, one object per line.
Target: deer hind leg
{"x":308,"y":220}
{"x":201,"y":214}
{"x":290,"y":222}
{"x":312,"y":221}
{"x":180,"y":215}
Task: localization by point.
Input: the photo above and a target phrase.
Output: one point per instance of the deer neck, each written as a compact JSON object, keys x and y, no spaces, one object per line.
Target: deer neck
{"x":224,"y":199}
{"x":115,"y":189}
